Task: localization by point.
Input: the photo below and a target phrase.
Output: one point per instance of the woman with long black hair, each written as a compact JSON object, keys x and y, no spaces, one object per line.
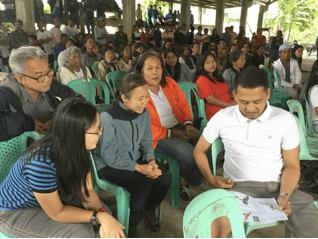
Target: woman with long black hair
{"x":212,"y":87}
{"x":237,"y":62}
{"x":178,"y":71}
{"x":49,"y":190}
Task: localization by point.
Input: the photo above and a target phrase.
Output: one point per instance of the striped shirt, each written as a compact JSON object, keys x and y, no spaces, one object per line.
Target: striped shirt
{"x":37,"y":174}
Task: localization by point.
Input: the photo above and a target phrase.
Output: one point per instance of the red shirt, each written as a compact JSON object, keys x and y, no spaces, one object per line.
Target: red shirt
{"x":260,"y":40}
{"x":219,"y":91}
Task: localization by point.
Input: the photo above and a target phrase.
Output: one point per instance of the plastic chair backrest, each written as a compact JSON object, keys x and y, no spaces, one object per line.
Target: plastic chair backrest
{"x":269,"y":76}
{"x":216,"y":148}
{"x":187,"y":88}
{"x":303,"y":149}
{"x":309,"y":125}
{"x":208,"y":206}
{"x":295,"y":107}
{"x":95,"y":68}
{"x":56,"y":65}
{"x":10,"y":151}
{"x":86,"y":87}
{"x":277,"y":77}
{"x":112,"y":79}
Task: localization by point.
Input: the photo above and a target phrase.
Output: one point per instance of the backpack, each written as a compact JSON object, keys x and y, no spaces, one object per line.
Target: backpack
{"x":309,"y":176}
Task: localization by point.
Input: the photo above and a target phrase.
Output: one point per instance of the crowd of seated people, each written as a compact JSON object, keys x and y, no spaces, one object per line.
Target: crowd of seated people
{"x":150,"y":108}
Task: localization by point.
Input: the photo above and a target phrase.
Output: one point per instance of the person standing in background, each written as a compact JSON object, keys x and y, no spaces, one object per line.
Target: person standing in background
{"x":57,"y":8}
{"x":160,"y":15}
{"x":100,"y":7}
{"x":155,"y":14}
{"x":73,"y":8}
{"x":45,"y":38}
{"x":56,"y":32}
{"x":149,"y":15}
{"x":88,"y":13}
{"x":139,"y":16}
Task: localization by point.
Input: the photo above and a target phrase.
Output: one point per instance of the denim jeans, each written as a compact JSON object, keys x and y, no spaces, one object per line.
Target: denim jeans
{"x":74,"y":14}
{"x":182,"y":151}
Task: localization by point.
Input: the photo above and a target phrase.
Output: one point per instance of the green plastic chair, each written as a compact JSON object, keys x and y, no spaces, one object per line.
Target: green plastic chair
{"x":112,"y":79}
{"x":312,"y":142}
{"x":86,"y":87}
{"x":10,"y":151}
{"x":95,"y":68}
{"x":188,"y":87}
{"x":56,"y":65}
{"x":122,"y":197}
{"x":218,"y":147}
{"x":277,"y":77}
{"x":309,"y":126}
{"x":208,"y":206}
{"x":175,"y":177}
{"x":279,"y":95}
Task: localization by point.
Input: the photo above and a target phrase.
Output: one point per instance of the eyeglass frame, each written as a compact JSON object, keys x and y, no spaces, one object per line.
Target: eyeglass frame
{"x":100,"y":131}
{"x":37,"y":79}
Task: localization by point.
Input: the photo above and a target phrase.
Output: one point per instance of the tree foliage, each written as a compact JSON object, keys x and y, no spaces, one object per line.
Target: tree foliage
{"x":294,"y":16}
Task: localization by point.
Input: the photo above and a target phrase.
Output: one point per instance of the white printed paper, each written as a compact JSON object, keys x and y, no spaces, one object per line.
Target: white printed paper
{"x":259,"y":210}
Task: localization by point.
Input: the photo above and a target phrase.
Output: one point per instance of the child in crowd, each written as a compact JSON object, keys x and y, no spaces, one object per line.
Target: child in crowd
{"x":139,"y":49}
{"x":185,"y":57}
{"x":100,"y":32}
{"x":71,"y":30}
{"x":61,"y":46}
{"x":44,"y":38}
{"x":195,"y":52}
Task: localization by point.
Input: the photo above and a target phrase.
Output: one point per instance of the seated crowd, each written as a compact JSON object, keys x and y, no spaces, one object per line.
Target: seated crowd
{"x":52,"y":185}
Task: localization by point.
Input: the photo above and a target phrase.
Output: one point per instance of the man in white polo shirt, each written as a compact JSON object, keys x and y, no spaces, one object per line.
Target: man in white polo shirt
{"x":261,"y":145}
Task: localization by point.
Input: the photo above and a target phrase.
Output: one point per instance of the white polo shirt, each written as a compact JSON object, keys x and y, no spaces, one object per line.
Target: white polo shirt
{"x":253,"y":147}
{"x":43,"y":35}
{"x":166,"y":115}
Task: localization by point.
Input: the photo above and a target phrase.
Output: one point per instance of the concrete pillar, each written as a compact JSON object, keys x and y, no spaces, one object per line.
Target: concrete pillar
{"x":25,"y":12}
{"x":219,"y":19}
{"x":129,"y":21}
{"x":185,"y":12}
{"x":245,"y":5}
{"x":200,"y":15}
{"x":262,"y":10}
{"x":171,"y":6}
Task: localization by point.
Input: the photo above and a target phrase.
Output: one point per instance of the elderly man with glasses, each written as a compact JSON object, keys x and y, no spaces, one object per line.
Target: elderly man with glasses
{"x":29,"y":96}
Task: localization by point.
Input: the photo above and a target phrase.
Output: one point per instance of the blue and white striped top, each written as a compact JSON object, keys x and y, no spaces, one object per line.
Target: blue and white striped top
{"x":36,"y":175}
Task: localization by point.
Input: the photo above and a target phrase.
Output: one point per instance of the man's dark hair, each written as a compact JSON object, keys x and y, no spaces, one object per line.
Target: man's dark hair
{"x":251,"y":77}
{"x":64,"y":35}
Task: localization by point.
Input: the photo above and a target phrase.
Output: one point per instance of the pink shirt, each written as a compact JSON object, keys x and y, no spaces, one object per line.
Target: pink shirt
{"x":56,"y":36}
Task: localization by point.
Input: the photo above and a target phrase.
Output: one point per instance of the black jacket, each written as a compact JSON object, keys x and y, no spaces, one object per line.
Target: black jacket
{"x":13,"y":124}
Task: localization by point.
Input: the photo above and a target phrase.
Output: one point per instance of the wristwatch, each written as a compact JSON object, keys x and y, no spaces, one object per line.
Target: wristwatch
{"x":94,"y":220}
{"x":285,"y":194}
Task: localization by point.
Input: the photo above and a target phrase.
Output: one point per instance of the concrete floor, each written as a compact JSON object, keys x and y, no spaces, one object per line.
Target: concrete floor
{"x":171,"y":223}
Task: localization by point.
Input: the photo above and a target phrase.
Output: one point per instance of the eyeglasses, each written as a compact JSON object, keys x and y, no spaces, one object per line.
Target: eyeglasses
{"x":42,"y":77}
{"x":100,"y":130}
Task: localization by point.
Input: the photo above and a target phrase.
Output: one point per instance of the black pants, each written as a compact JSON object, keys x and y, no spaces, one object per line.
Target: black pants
{"x":145,"y":193}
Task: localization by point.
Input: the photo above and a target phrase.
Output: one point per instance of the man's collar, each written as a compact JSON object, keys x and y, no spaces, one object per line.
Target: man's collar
{"x":262,"y":118}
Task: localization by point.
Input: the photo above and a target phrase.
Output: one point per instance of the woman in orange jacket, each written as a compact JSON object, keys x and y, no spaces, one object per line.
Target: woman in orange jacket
{"x":171,"y":122}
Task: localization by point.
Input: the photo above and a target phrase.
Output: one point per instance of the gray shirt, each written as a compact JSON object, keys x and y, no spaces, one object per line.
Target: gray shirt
{"x":229,"y":77}
{"x":89,"y":59}
{"x":41,"y":110}
{"x":286,"y":65}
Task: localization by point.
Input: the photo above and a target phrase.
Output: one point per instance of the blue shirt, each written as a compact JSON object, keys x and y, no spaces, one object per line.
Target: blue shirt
{"x":37,"y":174}
{"x":59,"y":48}
{"x":191,"y":19}
{"x":155,"y":14}
{"x":169,"y":16}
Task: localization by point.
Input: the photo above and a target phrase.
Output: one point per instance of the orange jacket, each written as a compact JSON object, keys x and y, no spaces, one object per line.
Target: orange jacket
{"x":180,"y":108}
